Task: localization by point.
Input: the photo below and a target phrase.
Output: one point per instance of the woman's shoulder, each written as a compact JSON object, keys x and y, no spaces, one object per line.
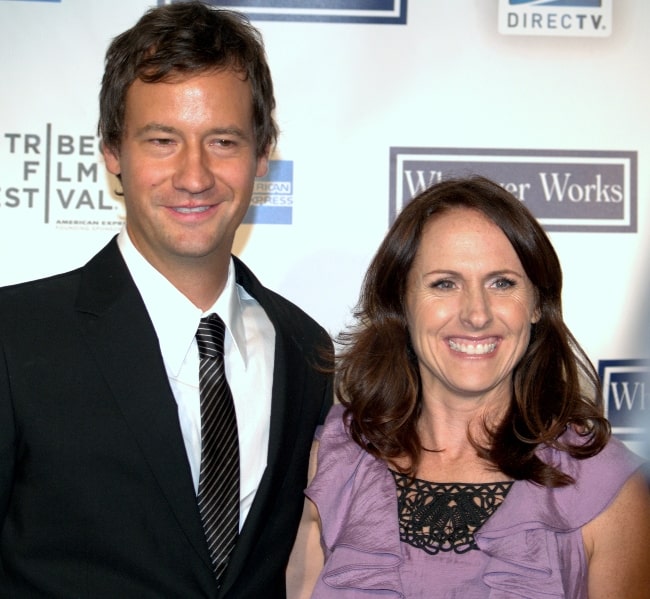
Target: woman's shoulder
{"x":598,"y":478}
{"x":597,"y":481}
{"x":347,"y":477}
{"x":339,"y":457}
{"x":334,"y":441}
{"x":334,"y":424}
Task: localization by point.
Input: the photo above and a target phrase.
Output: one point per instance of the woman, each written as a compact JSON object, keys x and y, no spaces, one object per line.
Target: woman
{"x":469,"y":457}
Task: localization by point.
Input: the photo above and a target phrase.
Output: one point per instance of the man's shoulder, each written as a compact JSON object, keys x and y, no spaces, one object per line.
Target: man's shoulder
{"x":47,"y":284}
{"x":37,"y":293}
{"x":44,"y":303}
{"x":279,"y":309}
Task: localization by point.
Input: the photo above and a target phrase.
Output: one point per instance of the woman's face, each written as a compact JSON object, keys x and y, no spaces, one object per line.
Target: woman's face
{"x":469,"y":306}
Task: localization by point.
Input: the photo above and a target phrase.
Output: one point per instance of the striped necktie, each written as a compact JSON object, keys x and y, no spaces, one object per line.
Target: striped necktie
{"x":218,"y":495}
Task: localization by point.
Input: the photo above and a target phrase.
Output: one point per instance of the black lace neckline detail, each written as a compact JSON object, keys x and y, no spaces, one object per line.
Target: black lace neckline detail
{"x":443,"y":517}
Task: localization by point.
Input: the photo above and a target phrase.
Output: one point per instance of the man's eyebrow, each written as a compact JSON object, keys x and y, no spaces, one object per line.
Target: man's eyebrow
{"x":160,"y":128}
{"x":155,"y":128}
{"x":236,"y":131}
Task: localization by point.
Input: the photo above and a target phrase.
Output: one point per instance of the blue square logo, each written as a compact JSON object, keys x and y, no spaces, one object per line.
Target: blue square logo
{"x":626,"y":385}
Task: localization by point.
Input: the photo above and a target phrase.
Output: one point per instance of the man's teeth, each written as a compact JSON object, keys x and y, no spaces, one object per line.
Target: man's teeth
{"x":472,"y":349}
{"x":185,"y":210}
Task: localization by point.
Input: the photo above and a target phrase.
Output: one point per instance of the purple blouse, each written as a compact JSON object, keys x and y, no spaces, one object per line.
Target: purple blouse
{"x":530,"y":547}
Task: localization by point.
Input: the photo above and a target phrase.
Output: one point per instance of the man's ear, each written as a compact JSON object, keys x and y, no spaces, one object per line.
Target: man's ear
{"x":111,"y":159}
{"x":263,"y":163}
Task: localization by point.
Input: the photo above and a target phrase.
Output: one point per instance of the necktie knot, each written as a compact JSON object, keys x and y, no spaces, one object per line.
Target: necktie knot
{"x":210,"y":336}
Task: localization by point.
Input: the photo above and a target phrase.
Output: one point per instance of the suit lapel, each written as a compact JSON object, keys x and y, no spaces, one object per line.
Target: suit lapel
{"x":121,"y":337}
{"x":288,"y":377}
{"x":288,"y":381}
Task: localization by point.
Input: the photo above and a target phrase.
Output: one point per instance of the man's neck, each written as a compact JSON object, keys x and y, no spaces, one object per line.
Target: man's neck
{"x":201,"y":284}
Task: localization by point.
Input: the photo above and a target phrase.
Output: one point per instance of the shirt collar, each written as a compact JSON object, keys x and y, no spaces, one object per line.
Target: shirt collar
{"x":175,"y":318}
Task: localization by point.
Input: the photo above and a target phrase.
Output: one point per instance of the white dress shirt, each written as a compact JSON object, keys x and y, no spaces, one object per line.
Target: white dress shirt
{"x":249,"y":350}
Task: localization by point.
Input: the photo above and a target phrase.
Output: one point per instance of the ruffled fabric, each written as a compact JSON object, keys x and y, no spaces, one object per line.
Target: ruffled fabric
{"x":534,"y":540}
{"x":531,"y":546}
{"x":361,"y":525}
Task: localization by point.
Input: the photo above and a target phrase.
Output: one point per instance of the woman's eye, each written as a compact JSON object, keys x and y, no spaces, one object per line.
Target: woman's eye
{"x":504,"y":283}
{"x":444,"y":284}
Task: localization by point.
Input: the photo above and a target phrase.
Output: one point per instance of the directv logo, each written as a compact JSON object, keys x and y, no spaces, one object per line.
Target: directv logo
{"x":575,"y":18}
{"x":565,"y":3}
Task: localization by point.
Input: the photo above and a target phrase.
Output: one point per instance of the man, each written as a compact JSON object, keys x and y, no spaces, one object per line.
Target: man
{"x":101,"y":403}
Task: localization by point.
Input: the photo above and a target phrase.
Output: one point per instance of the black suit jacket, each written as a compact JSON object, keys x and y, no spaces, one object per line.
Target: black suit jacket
{"x":96,"y":496}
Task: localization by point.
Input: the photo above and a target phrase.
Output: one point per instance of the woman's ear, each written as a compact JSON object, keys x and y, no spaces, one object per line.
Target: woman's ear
{"x":537,"y":314}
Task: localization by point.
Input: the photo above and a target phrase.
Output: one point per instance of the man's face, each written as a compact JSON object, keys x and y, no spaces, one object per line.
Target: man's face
{"x":187,"y":164}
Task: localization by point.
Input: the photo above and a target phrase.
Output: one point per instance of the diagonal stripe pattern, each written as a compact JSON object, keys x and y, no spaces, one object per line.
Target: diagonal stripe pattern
{"x":218,"y":495}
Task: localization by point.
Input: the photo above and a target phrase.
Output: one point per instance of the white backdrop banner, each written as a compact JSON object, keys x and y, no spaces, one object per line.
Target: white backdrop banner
{"x":376,"y":98}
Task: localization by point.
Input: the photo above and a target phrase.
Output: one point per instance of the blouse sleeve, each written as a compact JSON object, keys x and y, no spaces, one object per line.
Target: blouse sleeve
{"x":357,"y":503}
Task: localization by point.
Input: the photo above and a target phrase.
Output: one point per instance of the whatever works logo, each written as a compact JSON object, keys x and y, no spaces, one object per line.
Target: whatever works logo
{"x":626,"y":389}
{"x":594,"y":191}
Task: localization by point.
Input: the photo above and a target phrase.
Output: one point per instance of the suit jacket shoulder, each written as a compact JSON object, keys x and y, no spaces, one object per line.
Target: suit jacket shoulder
{"x":283,"y":313}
